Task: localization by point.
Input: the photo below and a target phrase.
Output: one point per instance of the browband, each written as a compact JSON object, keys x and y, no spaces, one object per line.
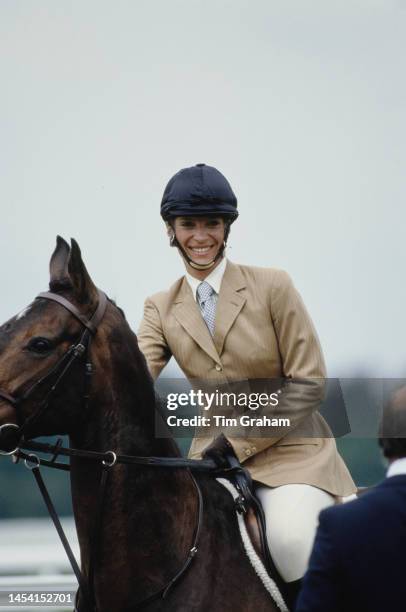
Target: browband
{"x":90,"y":324}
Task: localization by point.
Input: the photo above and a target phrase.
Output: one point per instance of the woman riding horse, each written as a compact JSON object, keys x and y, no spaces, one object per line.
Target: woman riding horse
{"x":150,"y":533}
{"x":223,"y":323}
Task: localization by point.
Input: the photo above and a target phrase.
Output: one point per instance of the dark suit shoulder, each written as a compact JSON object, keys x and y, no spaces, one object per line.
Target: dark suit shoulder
{"x":357,"y":563}
{"x":386,"y":498}
{"x":393,"y":483}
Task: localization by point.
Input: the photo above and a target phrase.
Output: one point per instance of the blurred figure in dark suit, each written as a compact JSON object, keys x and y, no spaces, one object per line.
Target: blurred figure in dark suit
{"x":358,"y":561}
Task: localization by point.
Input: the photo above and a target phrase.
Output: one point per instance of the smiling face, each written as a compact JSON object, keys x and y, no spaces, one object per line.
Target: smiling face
{"x":201,"y":238}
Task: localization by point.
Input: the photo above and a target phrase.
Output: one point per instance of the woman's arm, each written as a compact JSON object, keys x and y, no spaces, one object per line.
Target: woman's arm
{"x":303,"y":368}
{"x":298,"y":342}
{"x":151,"y":340}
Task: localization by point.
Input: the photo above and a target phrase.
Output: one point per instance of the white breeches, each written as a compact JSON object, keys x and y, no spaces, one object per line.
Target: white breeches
{"x":291,"y":513}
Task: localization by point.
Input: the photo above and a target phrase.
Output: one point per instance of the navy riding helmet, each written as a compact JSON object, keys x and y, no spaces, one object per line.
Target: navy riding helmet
{"x":199,"y":191}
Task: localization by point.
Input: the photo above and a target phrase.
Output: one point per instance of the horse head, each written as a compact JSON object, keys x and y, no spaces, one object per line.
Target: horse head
{"x":47,"y":350}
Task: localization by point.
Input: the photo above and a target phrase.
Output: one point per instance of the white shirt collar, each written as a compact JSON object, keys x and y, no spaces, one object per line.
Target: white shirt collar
{"x":397,"y":467}
{"x":214,"y":278}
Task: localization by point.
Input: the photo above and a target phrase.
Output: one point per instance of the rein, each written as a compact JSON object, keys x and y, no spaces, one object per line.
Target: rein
{"x":107,"y":459}
{"x":202,"y":465}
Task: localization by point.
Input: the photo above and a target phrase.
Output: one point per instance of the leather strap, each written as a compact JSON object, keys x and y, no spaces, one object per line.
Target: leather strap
{"x":100,"y":310}
{"x":90,"y":324}
{"x":97,"y":527}
{"x":242,"y":479}
{"x":8,"y":397}
{"x":79,"y":576}
{"x":197,"y":465}
{"x":86,"y":587}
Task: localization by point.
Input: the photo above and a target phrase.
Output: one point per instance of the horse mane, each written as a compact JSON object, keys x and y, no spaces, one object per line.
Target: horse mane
{"x":148,"y":396}
{"x":120,"y":310}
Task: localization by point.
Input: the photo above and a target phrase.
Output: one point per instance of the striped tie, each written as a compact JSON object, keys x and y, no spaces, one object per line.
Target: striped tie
{"x":207,"y":304}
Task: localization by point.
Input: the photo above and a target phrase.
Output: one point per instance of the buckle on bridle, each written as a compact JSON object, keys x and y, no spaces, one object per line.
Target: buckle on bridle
{"x":32,"y":461}
{"x":241,"y":505}
{"x":110,"y":460}
{"x":79,"y":350}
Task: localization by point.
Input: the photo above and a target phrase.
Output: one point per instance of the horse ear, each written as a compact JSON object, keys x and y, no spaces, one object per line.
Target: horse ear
{"x":58,"y":266}
{"x":84,"y":289}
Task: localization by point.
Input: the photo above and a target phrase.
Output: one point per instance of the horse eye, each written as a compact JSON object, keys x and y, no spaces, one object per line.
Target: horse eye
{"x":39,"y":345}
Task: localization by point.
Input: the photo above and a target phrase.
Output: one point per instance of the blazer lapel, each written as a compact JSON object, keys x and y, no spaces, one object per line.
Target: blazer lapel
{"x":229,"y":304}
{"x":187,"y":313}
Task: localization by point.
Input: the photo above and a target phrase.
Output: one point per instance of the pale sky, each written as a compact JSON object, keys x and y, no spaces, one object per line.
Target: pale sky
{"x":301,"y":104}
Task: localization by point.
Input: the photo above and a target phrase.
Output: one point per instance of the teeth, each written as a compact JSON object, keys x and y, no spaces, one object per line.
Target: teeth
{"x":202,"y":250}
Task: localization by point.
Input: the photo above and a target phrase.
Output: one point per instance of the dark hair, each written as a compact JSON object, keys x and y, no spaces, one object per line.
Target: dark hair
{"x":392,"y":438}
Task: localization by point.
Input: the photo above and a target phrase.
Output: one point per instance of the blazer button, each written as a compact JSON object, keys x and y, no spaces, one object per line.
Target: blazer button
{"x":218,"y":367}
{"x":247,"y":451}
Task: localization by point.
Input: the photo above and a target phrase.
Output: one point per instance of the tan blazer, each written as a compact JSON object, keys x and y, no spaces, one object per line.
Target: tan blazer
{"x":262,"y":331}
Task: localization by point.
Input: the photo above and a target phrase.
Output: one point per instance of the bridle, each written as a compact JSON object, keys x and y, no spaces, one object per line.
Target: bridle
{"x":107,"y":459}
{"x":62,"y":366}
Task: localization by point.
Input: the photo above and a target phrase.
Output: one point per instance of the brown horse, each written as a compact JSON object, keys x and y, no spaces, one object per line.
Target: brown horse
{"x":149,"y":515}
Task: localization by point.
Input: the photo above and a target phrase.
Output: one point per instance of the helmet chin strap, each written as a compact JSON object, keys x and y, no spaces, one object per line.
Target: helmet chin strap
{"x":194,"y":264}
{"x":207,"y":266}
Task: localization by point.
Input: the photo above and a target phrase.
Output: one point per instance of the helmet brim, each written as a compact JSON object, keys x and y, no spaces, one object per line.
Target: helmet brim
{"x":202,"y":210}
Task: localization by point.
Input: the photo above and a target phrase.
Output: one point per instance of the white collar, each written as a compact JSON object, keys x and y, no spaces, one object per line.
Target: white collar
{"x":214,"y":278}
{"x":397,"y":467}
